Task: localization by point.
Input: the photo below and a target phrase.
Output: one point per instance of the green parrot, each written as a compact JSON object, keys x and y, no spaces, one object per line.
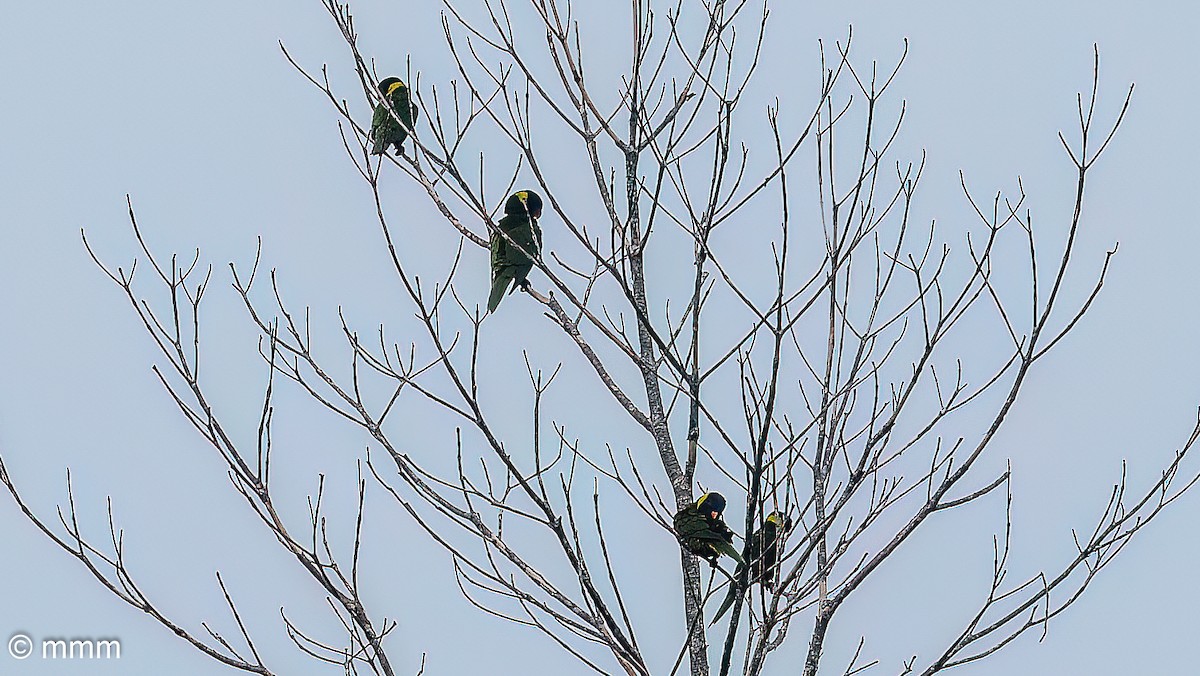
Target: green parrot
{"x":384,"y":128}
{"x":511,"y":265}
{"x":762,"y":548}
{"x":702,"y":532}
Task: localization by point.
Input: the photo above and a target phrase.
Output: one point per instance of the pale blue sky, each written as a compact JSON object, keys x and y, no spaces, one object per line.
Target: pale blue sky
{"x":193,"y":110}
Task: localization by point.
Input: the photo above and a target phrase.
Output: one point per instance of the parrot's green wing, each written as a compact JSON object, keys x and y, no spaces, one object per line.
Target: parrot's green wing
{"x":379,"y":121}
{"x":379,"y":117}
{"x":497,"y":246}
{"x":689,"y":523}
{"x":730,"y":551}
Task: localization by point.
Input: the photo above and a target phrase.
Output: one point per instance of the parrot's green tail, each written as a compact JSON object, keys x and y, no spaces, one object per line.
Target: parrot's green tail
{"x":729,"y":597}
{"x":499,"y":286}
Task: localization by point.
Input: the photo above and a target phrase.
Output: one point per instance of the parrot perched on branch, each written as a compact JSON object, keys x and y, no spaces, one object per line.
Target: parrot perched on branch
{"x":702,"y":532}
{"x":762,"y":550}
{"x":386,"y":130}
{"x":512,"y":260}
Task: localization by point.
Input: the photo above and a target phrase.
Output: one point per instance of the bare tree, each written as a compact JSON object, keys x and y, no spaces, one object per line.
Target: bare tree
{"x":803,"y":280}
